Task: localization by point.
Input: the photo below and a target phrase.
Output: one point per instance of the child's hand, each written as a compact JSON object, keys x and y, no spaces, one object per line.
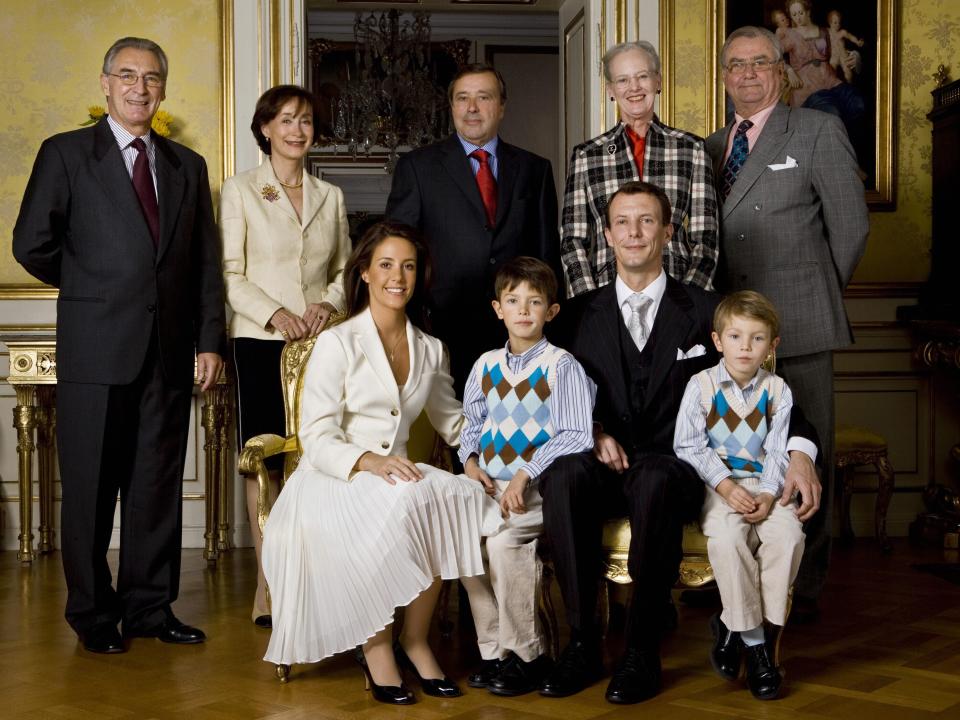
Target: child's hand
{"x":472,"y":470}
{"x":512,"y":499}
{"x":764,"y":505}
{"x":736,"y":497}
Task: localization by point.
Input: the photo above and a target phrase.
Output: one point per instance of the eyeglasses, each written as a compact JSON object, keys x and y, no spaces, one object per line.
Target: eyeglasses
{"x":131,"y":78}
{"x":624,"y":81}
{"x":760,"y":65}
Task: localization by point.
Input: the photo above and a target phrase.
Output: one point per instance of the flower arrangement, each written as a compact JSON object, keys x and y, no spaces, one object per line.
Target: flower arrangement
{"x":163,"y":123}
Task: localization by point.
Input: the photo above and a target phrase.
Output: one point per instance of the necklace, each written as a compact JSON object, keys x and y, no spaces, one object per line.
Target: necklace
{"x":393,"y":353}
{"x":294,"y":185}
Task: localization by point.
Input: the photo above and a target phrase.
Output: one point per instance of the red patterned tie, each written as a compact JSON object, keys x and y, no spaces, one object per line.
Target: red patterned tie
{"x":487,"y":184}
{"x":638,"y":145}
{"x":143,"y":184}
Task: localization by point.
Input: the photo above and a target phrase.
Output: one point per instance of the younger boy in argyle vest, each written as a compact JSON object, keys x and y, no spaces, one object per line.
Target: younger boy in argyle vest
{"x":525,"y":404}
{"x":732,"y":428}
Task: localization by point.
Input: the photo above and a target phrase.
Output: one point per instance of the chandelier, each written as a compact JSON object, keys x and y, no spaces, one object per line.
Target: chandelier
{"x":393,"y":99}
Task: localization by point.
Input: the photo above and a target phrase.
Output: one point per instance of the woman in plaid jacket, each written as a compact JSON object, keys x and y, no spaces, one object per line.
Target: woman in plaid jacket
{"x":673,"y":159}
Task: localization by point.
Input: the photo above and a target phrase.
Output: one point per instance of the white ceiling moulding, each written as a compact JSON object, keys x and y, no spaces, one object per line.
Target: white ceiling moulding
{"x":337,"y":25}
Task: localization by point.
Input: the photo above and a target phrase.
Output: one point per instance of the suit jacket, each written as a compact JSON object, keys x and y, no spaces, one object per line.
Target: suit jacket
{"x":684,"y":320}
{"x":673,"y":160}
{"x":81,"y":230}
{"x":434,"y":190}
{"x":351,"y":403}
{"x":795,"y":234}
{"x":272,"y":258}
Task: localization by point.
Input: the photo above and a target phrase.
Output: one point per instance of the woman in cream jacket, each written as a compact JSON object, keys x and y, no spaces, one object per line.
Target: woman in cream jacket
{"x":285,"y":242}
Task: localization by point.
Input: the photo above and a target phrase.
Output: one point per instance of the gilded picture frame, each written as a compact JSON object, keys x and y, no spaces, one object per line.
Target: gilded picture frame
{"x":872,"y":23}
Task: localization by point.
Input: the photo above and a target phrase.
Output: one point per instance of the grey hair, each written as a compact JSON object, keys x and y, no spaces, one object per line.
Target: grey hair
{"x":751,"y":31}
{"x":623,"y":47}
{"x":138,"y":44}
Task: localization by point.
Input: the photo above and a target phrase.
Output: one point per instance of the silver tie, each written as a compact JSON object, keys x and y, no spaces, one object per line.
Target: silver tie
{"x":636,"y":324}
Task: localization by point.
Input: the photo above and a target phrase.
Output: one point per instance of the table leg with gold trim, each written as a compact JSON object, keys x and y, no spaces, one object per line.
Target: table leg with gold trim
{"x":216,"y":423}
{"x":25,"y":420}
{"x":46,"y":461}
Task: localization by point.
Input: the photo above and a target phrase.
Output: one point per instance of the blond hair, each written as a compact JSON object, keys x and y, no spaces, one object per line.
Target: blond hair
{"x":748,"y":304}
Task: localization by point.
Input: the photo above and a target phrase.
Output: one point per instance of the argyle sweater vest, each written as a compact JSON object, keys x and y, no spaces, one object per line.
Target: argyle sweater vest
{"x":736,"y":430}
{"x":518,"y":417}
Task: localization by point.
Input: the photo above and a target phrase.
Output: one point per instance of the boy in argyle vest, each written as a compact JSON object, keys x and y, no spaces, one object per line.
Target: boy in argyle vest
{"x":732,"y":428}
{"x":525,"y":404}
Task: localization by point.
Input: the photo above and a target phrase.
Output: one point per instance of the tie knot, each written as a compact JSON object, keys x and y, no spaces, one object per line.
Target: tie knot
{"x":638,"y":302}
{"x":138,"y":144}
{"x":744,"y":126}
{"x":480,"y":155}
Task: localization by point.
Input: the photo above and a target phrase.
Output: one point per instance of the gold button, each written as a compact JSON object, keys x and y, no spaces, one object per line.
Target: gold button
{"x":394,"y":412}
{"x":384,"y":445}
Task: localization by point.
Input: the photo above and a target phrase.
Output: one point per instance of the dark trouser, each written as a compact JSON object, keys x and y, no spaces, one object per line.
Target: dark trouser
{"x":659,"y":493}
{"x":130,"y":439}
{"x":810,"y":378}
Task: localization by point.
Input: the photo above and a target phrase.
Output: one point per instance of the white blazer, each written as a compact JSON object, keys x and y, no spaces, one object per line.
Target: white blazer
{"x":351,"y":403}
{"x":271,"y":259}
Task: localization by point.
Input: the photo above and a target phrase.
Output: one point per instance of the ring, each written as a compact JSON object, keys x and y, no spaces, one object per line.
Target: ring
{"x":284,"y":333}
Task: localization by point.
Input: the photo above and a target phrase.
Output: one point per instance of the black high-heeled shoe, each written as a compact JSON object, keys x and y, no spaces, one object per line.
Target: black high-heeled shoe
{"x":442,"y":688}
{"x":390,"y":694}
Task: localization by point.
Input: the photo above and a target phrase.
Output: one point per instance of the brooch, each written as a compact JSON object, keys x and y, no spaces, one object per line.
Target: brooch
{"x":270,"y":193}
{"x":611,"y":148}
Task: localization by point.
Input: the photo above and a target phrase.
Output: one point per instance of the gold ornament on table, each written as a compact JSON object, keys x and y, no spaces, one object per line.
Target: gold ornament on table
{"x":163,"y":123}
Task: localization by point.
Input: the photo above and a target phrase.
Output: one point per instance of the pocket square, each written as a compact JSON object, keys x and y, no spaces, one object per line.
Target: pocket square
{"x":696,"y":351}
{"x":790,"y":163}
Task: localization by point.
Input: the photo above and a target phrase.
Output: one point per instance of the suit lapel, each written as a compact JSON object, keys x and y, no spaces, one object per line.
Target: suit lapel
{"x":772,"y":138}
{"x":111,"y":173}
{"x":508,"y":165}
{"x":170,"y":190}
{"x":457,"y":166}
{"x":269,"y":187}
{"x":314,"y":196}
{"x":717,"y":147}
{"x":416,"y":346}
{"x":670,"y":328}
{"x":604,"y":321}
{"x":369,"y":341}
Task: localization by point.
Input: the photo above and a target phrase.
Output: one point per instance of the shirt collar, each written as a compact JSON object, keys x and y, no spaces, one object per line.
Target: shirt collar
{"x":723,"y":376}
{"x":654,"y":290}
{"x":530,"y":352}
{"x":490,"y":146}
{"x":124,"y":137}
{"x":759,"y":118}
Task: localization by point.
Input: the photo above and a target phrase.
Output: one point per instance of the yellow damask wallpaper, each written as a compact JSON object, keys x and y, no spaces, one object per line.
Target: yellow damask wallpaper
{"x":929,"y":34}
{"x":53,"y":51}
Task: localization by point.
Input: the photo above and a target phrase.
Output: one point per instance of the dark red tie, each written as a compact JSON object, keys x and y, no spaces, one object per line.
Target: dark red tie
{"x":143,"y":184}
{"x":487,"y":184}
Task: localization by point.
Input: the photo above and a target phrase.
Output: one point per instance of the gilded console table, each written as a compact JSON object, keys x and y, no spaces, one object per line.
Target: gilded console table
{"x":33,"y":376}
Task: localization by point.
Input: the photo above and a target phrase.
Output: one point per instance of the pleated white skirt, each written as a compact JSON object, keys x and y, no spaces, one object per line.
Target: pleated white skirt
{"x":339,"y":557}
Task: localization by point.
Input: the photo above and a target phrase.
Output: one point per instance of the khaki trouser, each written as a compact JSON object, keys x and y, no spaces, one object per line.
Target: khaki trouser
{"x":754,"y":564}
{"x":504,"y":601}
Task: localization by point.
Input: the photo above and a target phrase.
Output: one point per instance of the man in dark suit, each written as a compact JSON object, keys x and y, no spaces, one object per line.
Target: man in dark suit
{"x":120,"y":220}
{"x":794,"y":226}
{"x":640,"y":338}
{"x":479,"y":201}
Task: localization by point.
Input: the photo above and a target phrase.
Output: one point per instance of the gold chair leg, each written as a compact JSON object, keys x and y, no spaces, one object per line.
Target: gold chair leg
{"x":884,"y":493}
{"x":548,"y":614}
{"x":283,"y":673}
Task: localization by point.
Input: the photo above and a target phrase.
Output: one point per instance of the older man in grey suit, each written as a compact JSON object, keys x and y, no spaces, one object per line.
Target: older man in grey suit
{"x":793,"y":227}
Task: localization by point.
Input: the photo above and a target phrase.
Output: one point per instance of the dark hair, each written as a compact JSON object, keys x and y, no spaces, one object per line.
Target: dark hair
{"x":138,"y":44}
{"x":478,"y":69}
{"x":638,"y":187}
{"x":357,"y":292}
{"x":536,"y":273}
{"x":271,"y":103}
{"x":749,"y":304}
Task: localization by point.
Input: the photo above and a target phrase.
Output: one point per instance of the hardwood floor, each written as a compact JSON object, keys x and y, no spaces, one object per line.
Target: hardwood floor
{"x":887,"y":646}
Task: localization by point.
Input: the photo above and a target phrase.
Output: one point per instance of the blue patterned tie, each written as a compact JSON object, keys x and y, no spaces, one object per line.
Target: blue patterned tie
{"x":738,"y":156}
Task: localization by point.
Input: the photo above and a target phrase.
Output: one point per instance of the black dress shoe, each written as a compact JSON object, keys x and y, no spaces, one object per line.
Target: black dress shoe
{"x":726,"y":655}
{"x":171,"y":630}
{"x":484,"y":674}
{"x":763,"y":676}
{"x":636,"y":678}
{"x":579,"y":667}
{"x":264,"y":621}
{"x":518,"y":677}
{"x":437,"y":687}
{"x":389,"y":694}
{"x":103,"y":638}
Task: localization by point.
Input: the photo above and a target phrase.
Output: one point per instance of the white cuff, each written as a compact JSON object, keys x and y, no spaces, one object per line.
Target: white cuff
{"x":804,"y":446}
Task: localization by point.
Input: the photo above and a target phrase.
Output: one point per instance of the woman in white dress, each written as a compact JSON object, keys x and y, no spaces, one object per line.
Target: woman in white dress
{"x":359,"y":529}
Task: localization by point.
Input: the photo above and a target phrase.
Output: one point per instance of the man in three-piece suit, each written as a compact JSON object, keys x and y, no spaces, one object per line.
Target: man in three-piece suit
{"x":794,"y":225}
{"x":120,"y":220}
{"x":479,"y":201}
{"x":640,"y":338}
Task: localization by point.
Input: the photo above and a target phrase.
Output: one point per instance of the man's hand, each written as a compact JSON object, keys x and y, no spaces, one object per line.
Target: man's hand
{"x":473,"y":471}
{"x":209,"y":366}
{"x":609,"y":452}
{"x":512,"y":499}
{"x":736,"y":497}
{"x":764,"y":505}
{"x":802,"y":477}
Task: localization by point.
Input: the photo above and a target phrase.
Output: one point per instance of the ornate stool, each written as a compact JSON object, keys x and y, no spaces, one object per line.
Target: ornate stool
{"x":857,"y":446}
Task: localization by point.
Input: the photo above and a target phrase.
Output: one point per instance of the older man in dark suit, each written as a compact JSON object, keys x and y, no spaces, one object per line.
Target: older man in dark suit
{"x":479,"y":201}
{"x":120,"y":220}
{"x":794,"y":224}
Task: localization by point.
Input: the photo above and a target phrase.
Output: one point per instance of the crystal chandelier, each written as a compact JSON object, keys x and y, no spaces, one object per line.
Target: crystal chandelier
{"x":393,"y":100}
